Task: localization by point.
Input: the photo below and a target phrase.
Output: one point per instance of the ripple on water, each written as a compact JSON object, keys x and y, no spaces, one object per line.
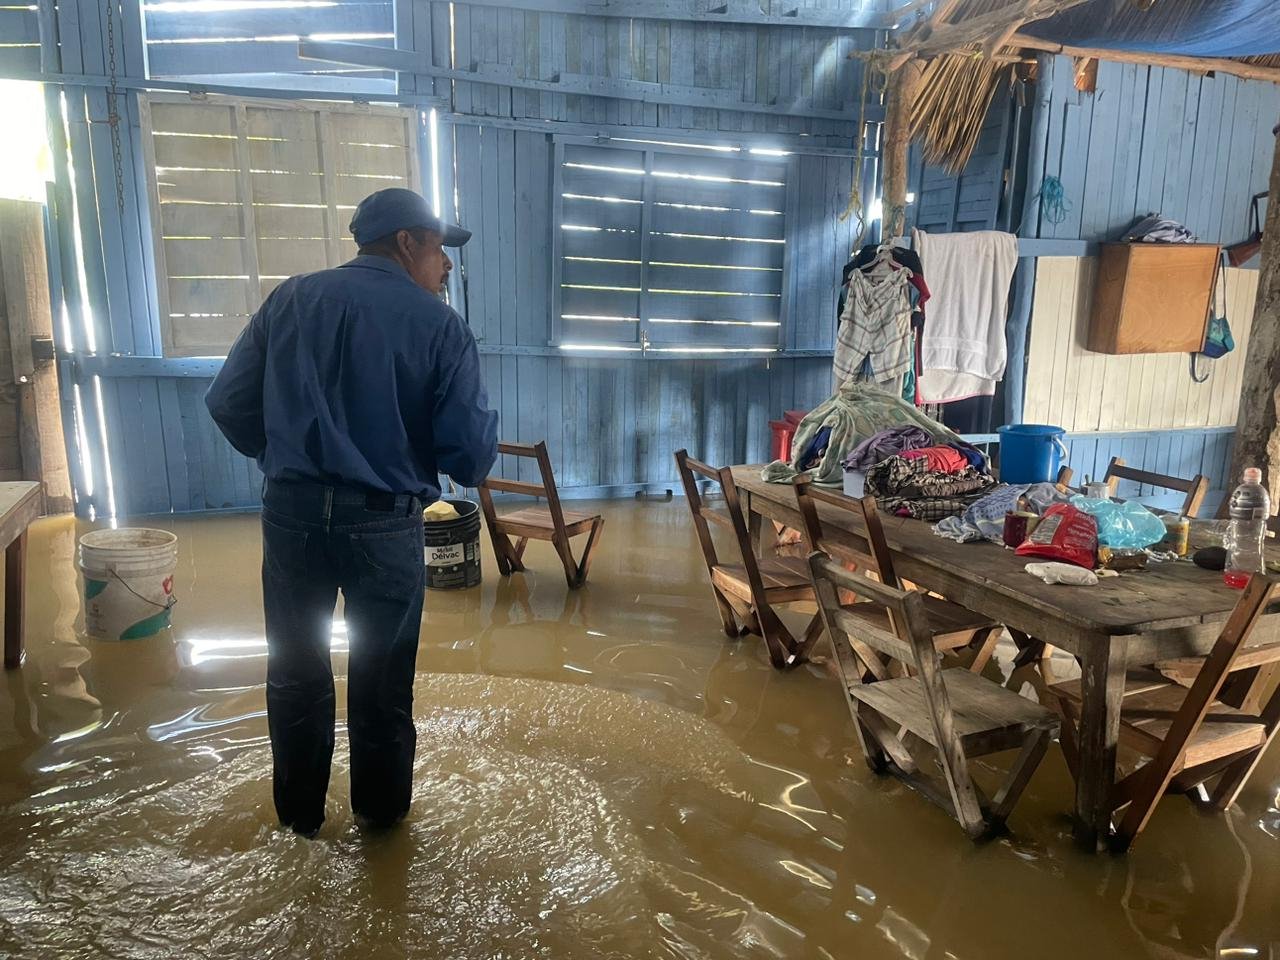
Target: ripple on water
{"x":530,"y":836}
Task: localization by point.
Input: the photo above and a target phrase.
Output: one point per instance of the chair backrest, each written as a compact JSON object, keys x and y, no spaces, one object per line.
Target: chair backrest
{"x":909,"y":641}
{"x":1217,"y":665}
{"x":732,"y":519}
{"x":869,"y":552}
{"x":544,"y":490}
{"x":1195,"y":488}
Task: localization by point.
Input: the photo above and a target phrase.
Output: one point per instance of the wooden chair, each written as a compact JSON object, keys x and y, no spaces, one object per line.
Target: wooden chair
{"x":956,"y":713}
{"x":551,"y":523}
{"x":1190,"y":735}
{"x":951,"y":625}
{"x":748,"y":591}
{"x":1195,"y":488}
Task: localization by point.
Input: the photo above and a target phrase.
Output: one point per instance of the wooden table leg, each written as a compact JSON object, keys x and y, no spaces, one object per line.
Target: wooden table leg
{"x":755,"y":521}
{"x":1103,"y":664}
{"x":15,"y":600}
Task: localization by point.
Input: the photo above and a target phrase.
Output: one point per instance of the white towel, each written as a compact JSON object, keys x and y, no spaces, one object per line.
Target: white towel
{"x":968,"y":276}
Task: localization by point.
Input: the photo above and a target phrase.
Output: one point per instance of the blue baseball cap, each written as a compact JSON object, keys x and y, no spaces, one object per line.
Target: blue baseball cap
{"x":383,"y":213}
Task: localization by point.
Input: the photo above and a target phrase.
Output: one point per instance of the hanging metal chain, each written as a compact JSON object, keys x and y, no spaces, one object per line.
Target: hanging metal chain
{"x":113,"y":114}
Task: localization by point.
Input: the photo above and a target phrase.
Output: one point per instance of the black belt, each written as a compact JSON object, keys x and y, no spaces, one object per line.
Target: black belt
{"x":381,"y":502}
{"x":378,"y":501}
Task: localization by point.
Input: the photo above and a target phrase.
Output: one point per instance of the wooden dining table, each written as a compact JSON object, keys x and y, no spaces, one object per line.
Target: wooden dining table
{"x":1166,"y":610}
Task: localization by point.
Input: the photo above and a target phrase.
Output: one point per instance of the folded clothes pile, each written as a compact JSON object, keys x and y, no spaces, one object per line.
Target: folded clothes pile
{"x":857,"y":415}
{"x":911,"y":442}
{"x":907,"y":487}
{"x":912,"y":475}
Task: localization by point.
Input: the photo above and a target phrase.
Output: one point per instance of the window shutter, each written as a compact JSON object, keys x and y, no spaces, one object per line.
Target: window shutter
{"x":668,"y":248}
{"x":247,"y":193}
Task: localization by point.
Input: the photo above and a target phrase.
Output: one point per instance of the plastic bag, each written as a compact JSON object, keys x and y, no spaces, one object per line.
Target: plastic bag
{"x":1064,"y":533}
{"x":1062,"y":573}
{"x":1122,"y":526}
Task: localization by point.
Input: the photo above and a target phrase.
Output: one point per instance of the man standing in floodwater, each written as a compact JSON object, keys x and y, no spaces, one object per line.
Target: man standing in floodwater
{"x":354,"y":388}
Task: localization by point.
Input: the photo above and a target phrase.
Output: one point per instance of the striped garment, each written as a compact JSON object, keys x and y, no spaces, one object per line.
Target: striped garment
{"x":875,"y":326}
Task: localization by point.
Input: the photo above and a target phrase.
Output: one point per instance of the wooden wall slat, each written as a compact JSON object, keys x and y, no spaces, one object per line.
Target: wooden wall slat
{"x":1154,"y":139}
{"x":1080,"y":390}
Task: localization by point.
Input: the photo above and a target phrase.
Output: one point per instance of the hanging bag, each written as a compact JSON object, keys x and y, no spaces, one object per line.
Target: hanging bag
{"x":1218,"y":341}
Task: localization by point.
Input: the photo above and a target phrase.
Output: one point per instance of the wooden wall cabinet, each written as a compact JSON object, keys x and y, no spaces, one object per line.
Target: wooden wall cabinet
{"x":1152,"y":297}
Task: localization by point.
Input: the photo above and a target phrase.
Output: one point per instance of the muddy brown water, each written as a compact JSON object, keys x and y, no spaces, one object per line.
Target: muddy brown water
{"x":599,"y":774}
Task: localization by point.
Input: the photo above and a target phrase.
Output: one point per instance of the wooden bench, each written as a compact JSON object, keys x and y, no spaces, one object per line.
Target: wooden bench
{"x":20,"y":504}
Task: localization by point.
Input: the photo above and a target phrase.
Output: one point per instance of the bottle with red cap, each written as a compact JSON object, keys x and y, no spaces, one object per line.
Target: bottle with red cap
{"x":1249,"y":507}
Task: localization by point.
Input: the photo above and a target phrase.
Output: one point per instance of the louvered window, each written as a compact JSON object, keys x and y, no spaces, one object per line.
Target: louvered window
{"x":245,"y":194}
{"x":666,"y":248}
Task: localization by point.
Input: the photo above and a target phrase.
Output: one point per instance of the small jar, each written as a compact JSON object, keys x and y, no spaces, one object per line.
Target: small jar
{"x":1177,"y":532}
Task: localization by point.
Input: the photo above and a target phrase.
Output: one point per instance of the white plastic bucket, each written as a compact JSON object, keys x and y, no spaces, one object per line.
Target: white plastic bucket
{"x":128,"y":581}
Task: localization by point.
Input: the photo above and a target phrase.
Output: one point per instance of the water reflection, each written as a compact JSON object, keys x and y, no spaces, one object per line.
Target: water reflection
{"x":600,"y":774}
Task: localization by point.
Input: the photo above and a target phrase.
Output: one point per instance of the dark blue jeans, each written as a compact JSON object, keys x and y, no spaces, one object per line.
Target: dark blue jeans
{"x":317,"y":540}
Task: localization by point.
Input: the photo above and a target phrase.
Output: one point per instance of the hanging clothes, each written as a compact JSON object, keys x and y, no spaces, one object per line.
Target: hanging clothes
{"x":874,"y":341}
{"x":900,"y":257}
{"x":963,"y":351}
{"x":903,"y":257}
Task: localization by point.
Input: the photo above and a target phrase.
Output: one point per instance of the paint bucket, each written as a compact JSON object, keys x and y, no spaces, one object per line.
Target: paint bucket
{"x":1031,"y":452}
{"x":128,"y":581}
{"x":452,"y":548}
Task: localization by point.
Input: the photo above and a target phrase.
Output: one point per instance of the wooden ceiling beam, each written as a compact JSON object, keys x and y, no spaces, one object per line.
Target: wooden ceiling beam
{"x":1237,"y":68}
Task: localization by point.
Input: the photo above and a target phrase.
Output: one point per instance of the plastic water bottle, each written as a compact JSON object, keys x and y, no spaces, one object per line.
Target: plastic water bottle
{"x":1250,"y":507}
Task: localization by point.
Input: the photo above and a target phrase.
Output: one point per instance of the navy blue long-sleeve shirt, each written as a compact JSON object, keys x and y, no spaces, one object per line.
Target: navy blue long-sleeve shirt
{"x":356,"y":376}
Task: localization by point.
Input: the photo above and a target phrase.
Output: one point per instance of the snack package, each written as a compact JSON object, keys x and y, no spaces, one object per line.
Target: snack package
{"x":1065,"y":534}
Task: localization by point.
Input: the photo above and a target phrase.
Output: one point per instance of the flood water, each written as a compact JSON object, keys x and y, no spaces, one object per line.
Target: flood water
{"x":600,"y":774}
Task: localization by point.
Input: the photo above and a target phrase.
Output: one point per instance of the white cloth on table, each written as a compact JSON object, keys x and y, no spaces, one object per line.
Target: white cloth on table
{"x":969,"y":276}
{"x":984,"y":519}
{"x":1062,"y":573}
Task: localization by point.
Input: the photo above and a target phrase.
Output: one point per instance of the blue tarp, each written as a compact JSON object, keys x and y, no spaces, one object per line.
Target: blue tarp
{"x":1197,"y":28}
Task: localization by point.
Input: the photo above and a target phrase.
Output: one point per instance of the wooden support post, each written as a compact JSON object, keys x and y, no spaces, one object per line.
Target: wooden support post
{"x":1257,"y":441}
{"x":26,"y":323}
{"x":904,"y":88}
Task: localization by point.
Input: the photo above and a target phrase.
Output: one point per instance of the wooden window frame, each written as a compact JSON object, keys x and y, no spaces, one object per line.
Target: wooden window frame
{"x":334,"y":219}
{"x":646,"y":152}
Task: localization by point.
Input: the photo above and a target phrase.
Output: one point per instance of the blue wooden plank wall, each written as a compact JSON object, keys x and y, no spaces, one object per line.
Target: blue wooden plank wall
{"x":612,"y":423}
{"x":947,"y":202}
{"x":260,"y":46}
{"x":1151,"y":139}
{"x":1176,"y":453}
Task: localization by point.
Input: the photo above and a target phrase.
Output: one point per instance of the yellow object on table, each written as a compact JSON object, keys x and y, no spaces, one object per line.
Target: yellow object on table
{"x":440,"y":511}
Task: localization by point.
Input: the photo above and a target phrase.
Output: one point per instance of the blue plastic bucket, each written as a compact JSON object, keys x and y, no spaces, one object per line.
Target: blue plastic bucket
{"x":1031,"y":452}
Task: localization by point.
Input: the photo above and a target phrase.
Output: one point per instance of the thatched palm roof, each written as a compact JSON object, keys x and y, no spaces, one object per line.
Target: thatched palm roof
{"x":972,"y":47}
